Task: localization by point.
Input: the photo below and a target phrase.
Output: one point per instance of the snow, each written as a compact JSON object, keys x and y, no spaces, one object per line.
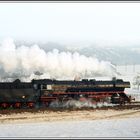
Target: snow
{"x":94,"y":128}
{"x":127,"y":73}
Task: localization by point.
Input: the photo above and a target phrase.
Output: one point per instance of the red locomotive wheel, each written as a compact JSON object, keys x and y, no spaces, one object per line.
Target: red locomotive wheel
{"x":30,"y":105}
{"x":4,"y":105}
{"x":17,"y":105}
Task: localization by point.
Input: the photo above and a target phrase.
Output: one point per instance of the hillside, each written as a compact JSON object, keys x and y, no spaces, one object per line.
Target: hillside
{"x":118,"y":55}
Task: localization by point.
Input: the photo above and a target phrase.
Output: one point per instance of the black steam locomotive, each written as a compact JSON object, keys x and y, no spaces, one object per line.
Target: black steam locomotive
{"x":19,"y":94}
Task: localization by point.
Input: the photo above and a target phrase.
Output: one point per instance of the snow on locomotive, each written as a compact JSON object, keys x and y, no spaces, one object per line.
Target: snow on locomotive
{"x":19,"y":94}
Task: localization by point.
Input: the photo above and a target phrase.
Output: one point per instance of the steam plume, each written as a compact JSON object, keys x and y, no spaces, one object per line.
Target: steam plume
{"x":28,"y":62}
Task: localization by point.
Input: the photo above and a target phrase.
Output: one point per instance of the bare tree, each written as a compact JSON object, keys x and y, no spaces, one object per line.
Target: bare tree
{"x":136,"y":81}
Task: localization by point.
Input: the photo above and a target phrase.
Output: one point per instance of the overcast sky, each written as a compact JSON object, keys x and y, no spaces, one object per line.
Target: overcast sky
{"x":68,"y":22}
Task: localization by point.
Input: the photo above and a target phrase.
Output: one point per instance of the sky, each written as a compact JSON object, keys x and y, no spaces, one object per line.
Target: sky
{"x":111,"y":23}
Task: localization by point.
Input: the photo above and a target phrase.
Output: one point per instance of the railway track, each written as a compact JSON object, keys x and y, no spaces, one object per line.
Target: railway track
{"x":132,"y":105}
{"x":66,"y":115}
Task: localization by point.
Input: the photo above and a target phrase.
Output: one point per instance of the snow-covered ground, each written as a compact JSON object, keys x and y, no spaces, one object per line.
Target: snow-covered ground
{"x":73,"y":129}
{"x":128,"y":73}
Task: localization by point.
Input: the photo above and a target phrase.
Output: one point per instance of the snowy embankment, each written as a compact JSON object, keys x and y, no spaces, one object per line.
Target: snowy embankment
{"x":94,"y":123}
{"x":96,"y":128}
{"x":128,"y":73}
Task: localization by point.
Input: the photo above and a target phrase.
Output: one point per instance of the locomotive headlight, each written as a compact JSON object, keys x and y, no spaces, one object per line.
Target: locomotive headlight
{"x":23,"y":97}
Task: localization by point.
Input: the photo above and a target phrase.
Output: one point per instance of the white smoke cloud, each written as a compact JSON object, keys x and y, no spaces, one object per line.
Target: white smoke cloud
{"x":22,"y":62}
{"x":79,"y":104}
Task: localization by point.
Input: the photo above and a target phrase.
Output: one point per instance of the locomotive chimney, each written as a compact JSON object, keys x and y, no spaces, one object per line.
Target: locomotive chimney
{"x":77,"y":78}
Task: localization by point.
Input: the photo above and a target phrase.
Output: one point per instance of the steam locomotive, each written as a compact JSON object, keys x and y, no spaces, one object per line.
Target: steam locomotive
{"x":42,"y":92}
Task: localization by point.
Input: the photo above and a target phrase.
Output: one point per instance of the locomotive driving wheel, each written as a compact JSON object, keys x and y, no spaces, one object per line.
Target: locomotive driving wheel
{"x":4,"y":105}
{"x":17,"y":105}
{"x":30,"y":105}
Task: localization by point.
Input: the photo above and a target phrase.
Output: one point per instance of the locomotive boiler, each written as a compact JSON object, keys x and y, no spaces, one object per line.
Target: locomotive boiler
{"x":19,"y":94}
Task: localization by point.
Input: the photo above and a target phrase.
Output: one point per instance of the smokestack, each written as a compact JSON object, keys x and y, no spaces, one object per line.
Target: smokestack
{"x":77,"y":78}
